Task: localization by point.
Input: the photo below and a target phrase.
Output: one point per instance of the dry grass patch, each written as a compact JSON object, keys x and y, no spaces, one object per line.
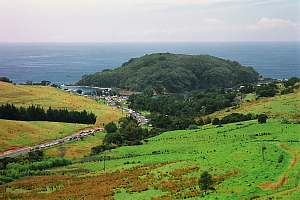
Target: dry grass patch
{"x":25,"y":95}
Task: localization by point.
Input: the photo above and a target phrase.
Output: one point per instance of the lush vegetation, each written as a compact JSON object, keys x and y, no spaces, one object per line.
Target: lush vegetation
{"x":245,"y":160}
{"x":165,"y":72}
{"x":128,"y":133}
{"x":111,"y":127}
{"x":255,"y":158}
{"x":29,"y":165}
{"x":175,"y":112}
{"x":266,"y":90}
{"x":36,"y":113}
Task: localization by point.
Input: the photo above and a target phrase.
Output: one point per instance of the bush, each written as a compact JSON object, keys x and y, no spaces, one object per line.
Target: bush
{"x":237,"y":117}
{"x":280,"y":158}
{"x":205,"y":181}
{"x":268,"y":90}
{"x":35,"y":155}
{"x":101,"y":148}
{"x":262,"y":118}
{"x":5,"y":79}
{"x":111,"y":127}
{"x":291,"y":82}
{"x":215,"y":121}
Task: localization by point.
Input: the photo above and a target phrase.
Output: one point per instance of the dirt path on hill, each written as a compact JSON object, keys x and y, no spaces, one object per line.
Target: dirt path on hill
{"x":284,"y":178}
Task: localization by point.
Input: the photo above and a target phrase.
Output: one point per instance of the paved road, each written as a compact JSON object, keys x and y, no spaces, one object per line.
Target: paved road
{"x":74,"y":137}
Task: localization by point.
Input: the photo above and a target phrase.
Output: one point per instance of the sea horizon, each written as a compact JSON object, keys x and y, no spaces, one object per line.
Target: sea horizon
{"x":65,"y":63}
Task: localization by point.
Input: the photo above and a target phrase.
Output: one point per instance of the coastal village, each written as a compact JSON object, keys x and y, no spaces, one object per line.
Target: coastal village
{"x":109,"y":97}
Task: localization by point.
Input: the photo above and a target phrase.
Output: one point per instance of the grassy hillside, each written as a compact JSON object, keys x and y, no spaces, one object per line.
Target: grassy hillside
{"x":48,"y":96}
{"x":280,"y":107}
{"x":168,"y":167}
{"x":15,"y":134}
{"x":173,"y":73}
{"x":76,"y":149}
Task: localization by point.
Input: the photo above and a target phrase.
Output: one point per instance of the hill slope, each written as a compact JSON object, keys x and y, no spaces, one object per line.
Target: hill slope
{"x":25,"y":95}
{"x":280,"y":107}
{"x":173,"y":73}
{"x":169,"y":165}
{"x":15,"y":134}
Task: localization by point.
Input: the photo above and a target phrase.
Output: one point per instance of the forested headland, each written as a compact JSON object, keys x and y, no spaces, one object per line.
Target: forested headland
{"x":173,"y":73}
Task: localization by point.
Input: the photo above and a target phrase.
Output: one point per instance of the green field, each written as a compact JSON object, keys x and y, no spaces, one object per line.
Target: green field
{"x":168,"y":166}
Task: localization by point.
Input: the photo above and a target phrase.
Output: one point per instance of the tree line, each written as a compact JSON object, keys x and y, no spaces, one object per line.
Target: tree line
{"x":239,"y":117}
{"x":37,"y":113}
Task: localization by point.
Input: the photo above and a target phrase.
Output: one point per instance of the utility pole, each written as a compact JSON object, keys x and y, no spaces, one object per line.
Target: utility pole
{"x":104,"y":161}
{"x":263,"y":148}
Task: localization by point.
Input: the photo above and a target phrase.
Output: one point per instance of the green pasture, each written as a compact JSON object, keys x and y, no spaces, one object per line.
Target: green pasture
{"x":219,"y":150}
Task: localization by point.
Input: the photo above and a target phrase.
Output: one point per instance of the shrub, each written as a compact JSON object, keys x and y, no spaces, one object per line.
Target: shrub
{"x":262,"y":118}
{"x":236,"y":117}
{"x":280,"y":158}
{"x":101,"y":148}
{"x":268,"y":90}
{"x":205,"y":181}
{"x":215,"y":121}
{"x":291,"y":82}
{"x":111,"y":127}
{"x":5,"y":79}
{"x":35,"y":155}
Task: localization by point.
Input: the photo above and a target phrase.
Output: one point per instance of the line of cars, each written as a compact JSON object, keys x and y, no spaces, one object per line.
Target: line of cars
{"x":74,"y":137}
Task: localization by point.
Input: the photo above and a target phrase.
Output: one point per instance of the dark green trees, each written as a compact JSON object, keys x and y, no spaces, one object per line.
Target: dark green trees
{"x":129,"y":133}
{"x":35,"y":155}
{"x":173,"y":73}
{"x":37,"y":113}
{"x":268,"y":90}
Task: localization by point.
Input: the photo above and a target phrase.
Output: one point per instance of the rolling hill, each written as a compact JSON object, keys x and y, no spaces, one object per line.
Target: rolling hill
{"x":15,"y":134}
{"x":279,"y":107}
{"x":173,"y":73}
{"x":25,"y":95}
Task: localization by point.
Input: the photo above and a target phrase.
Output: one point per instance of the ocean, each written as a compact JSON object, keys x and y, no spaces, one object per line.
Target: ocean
{"x":65,"y":63}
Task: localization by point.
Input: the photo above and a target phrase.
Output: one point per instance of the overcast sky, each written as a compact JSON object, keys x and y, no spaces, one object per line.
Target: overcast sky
{"x":149,"y":20}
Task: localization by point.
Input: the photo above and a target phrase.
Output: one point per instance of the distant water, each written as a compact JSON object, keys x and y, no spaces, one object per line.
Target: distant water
{"x":66,"y":63}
